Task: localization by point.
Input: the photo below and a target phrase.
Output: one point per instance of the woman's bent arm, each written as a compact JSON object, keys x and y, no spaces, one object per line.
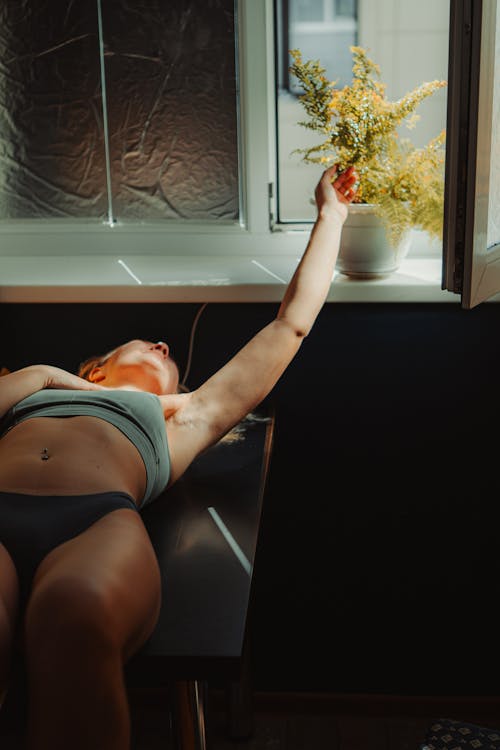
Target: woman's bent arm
{"x":22,"y":383}
{"x":18,"y":385}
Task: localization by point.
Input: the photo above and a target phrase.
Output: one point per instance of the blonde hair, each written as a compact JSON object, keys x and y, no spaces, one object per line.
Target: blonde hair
{"x":86,"y":367}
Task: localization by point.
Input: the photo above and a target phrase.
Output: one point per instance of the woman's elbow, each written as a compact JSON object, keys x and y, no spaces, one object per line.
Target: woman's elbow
{"x":296,"y":328}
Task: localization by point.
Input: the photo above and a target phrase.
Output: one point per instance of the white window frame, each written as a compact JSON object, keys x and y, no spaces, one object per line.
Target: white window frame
{"x":482,"y":263}
{"x":255,"y":233}
{"x":470,"y":267}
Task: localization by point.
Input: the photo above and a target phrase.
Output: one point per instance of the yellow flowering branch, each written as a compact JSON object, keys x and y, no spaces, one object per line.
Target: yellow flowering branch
{"x":359,"y":125}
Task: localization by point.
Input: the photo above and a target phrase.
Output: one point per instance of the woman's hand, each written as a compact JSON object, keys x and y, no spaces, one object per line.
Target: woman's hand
{"x":335,"y":191}
{"x":55,"y":377}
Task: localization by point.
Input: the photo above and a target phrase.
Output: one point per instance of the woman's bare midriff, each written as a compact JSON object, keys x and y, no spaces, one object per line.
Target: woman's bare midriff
{"x":86,"y":455}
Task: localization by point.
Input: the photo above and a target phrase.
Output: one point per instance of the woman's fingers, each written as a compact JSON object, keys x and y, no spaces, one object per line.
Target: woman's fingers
{"x":345,"y":184}
{"x":346,"y":179}
{"x":344,"y":187}
{"x":349,"y":194}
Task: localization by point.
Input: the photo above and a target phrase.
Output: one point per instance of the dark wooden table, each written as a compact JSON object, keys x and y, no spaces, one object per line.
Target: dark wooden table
{"x":204,"y":531}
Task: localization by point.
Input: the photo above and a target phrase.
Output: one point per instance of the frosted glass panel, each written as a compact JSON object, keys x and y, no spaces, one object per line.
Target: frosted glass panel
{"x":51,"y":147}
{"x":171,"y":110}
{"x":171,"y":93}
{"x":493,"y":235}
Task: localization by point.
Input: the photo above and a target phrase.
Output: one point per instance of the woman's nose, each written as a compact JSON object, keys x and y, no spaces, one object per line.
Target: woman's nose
{"x":163,"y":347}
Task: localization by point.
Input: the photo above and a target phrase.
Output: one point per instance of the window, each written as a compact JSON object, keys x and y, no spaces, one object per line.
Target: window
{"x":71,"y":210}
{"x":472,"y":231}
{"x":394,"y":32}
{"x":65,"y":190}
{"x":119,"y":111}
{"x":249,"y":232}
{"x":323,"y":30}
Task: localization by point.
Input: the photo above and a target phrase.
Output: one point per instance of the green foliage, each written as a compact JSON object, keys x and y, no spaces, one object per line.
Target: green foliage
{"x":359,"y":125}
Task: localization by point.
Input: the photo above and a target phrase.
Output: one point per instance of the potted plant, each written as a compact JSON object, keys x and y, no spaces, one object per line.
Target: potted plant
{"x":401,"y":187}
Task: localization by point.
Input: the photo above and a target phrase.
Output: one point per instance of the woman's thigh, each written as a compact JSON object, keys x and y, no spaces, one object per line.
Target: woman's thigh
{"x":110,"y":568}
{"x":9,"y":595}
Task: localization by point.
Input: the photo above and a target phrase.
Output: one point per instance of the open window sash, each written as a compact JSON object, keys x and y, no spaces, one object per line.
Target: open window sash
{"x":471,"y":236}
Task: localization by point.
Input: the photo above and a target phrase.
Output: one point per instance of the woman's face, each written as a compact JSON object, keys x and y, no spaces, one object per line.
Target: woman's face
{"x":141,"y":364}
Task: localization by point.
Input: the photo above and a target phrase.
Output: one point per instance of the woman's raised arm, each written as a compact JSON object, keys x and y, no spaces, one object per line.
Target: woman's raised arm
{"x":240,"y":385}
{"x":309,"y":286}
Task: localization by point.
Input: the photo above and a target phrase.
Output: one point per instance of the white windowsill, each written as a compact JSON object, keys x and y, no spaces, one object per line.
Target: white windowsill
{"x":152,"y":278}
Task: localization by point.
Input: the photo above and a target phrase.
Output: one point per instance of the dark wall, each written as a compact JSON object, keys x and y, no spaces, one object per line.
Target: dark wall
{"x":378,"y":562}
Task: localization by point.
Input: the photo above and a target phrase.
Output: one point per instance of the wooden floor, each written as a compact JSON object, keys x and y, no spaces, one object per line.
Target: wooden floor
{"x":291,"y":732}
{"x":296,"y":723}
{"x":305,"y":733}
{"x":312,"y":724}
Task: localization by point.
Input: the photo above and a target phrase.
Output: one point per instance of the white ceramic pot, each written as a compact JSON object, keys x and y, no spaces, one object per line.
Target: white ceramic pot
{"x":365,"y":252}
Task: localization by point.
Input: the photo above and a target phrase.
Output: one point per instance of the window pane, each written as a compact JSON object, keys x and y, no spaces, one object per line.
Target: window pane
{"x":394,"y":33}
{"x":306,"y":10}
{"x":345,"y":8}
{"x":52,"y":156}
{"x":329,"y":42}
{"x":171,"y":91}
{"x":171,"y":110}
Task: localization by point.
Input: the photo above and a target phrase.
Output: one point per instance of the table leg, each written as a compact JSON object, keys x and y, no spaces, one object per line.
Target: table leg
{"x":239,"y":697}
{"x":189,"y":715}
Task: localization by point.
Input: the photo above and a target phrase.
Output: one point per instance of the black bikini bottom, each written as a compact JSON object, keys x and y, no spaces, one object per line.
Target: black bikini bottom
{"x":33,"y":525}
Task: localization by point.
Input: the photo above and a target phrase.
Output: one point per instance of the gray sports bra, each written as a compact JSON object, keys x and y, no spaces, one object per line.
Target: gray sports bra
{"x":137,"y":414}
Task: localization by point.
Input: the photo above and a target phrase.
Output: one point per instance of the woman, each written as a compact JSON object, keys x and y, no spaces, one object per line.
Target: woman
{"x":79,"y":580}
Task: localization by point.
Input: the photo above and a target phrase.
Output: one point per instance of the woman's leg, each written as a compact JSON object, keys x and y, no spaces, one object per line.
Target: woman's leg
{"x":95,"y":600}
{"x":9,"y":596}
